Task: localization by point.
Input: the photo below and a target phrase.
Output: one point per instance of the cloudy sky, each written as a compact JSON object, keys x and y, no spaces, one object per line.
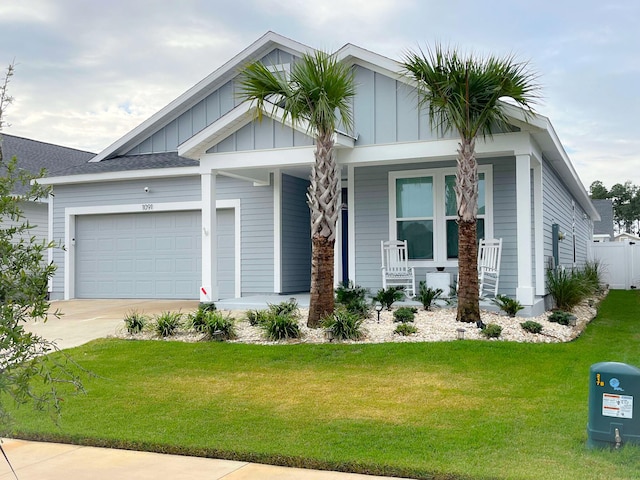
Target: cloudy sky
{"x":88,"y":71}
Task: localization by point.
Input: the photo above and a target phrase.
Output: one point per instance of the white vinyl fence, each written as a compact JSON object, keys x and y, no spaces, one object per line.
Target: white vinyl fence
{"x":620,"y":262}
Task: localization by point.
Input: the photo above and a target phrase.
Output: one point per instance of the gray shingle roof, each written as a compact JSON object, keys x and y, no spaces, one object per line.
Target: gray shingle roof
{"x":605,"y":209}
{"x":33,"y":155}
{"x":131,"y":162}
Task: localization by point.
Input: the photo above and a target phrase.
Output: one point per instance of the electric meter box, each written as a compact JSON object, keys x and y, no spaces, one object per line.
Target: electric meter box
{"x":614,"y":405}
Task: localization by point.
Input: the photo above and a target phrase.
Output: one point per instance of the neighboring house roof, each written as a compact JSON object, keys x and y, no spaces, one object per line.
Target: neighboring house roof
{"x":34,"y":155}
{"x":605,"y":209}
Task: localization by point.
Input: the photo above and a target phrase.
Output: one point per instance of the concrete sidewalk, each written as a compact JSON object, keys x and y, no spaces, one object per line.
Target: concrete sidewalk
{"x":54,"y":461}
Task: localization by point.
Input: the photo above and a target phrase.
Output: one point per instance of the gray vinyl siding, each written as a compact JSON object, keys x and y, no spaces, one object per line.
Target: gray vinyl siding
{"x":296,"y":236}
{"x":277,"y":57}
{"x":386,"y":110}
{"x":256,"y":217}
{"x":260,"y":136}
{"x":371,"y":213}
{"x":196,"y":118}
{"x":256,"y":231}
{"x":36,"y":214}
{"x":504,"y":222}
{"x":202,"y":114}
{"x":558,"y":208}
{"x":38,"y":217}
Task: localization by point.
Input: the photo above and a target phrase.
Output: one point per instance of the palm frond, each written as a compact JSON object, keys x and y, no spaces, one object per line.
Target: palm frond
{"x":464,"y":93}
{"x":318,"y":90}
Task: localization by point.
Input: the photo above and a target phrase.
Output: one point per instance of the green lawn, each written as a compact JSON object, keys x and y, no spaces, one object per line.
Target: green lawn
{"x":465,"y":409}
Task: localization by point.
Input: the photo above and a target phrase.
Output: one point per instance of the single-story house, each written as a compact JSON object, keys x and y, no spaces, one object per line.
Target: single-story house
{"x":626,"y":237}
{"x":203,"y":201}
{"x":33,"y":156}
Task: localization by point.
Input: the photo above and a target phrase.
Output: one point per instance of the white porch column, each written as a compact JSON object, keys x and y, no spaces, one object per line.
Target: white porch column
{"x":525,"y":292}
{"x":277,"y":231}
{"x":209,"y":287}
{"x":351,"y":222}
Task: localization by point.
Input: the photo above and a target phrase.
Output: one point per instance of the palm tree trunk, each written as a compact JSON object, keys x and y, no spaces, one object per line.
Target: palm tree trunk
{"x":322,"y":300}
{"x":324,"y":202}
{"x":468,"y":301}
{"x":467,"y":200}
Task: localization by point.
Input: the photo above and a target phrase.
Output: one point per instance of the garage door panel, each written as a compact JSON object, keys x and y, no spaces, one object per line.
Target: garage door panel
{"x":105,"y":266}
{"x":164,"y":243}
{"x":144,"y":265}
{"x":149,"y":255}
{"x":164,"y":265}
{"x":124,"y":244}
{"x":185,"y":243}
{"x":144,"y":244}
{"x":124,"y":265}
{"x":122,"y":223}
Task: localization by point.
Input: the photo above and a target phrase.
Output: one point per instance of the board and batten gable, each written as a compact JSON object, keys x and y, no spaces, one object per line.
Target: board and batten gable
{"x":371,"y":211}
{"x":256,"y":208}
{"x":560,"y":207}
{"x":296,"y":236}
{"x":201,"y":115}
{"x":262,"y":135}
{"x":385,"y":110}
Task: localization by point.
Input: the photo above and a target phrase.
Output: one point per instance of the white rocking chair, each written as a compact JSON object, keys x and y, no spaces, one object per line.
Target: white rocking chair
{"x":489,"y":254}
{"x":395,"y":267}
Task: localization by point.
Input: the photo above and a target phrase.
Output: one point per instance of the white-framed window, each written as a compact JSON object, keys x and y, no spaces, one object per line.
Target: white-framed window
{"x":423,"y":211}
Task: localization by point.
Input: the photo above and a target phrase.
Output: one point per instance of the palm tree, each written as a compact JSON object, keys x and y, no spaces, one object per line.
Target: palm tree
{"x":317,"y":93}
{"x":464,"y":94}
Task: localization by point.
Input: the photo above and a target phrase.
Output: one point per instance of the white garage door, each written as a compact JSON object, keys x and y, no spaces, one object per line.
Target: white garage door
{"x":145,"y":255}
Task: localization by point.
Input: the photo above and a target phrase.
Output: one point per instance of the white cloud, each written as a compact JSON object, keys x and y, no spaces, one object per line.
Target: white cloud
{"x":88,"y":72}
{"x":28,"y":11}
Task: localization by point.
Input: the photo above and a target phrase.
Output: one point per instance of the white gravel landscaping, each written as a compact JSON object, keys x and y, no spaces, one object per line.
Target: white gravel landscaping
{"x":437,"y":325}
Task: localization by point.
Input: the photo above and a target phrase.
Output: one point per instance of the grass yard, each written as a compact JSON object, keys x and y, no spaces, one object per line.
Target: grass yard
{"x":464,"y":409}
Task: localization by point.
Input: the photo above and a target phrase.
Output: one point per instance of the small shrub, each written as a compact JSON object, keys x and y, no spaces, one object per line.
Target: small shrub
{"x":344,"y":325}
{"x":281,"y":327}
{"x":426,"y":295}
{"x":531,"y":326}
{"x":508,"y":305}
{"x":257,"y":317}
{"x":387,"y":297}
{"x":405,"y":329}
{"x":405,"y":314}
{"x":207,"y":307}
{"x":218,"y":326}
{"x":567,"y":288}
{"x":560,"y":317}
{"x":135,"y":322}
{"x":353,"y":298}
{"x":196,"y":320}
{"x":167,"y":323}
{"x":492,"y":330}
{"x":288,"y":308}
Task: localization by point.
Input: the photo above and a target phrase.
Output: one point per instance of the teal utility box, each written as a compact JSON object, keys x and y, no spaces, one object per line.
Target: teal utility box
{"x":614,"y":405}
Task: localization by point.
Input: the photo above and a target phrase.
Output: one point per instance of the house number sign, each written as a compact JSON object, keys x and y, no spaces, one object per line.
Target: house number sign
{"x":147,"y":206}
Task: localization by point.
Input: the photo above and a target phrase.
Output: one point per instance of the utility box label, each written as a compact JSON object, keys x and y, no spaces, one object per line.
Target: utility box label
{"x":618,"y":406}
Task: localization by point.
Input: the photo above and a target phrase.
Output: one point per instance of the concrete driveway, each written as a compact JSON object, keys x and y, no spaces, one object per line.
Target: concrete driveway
{"x":86,"y":320}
